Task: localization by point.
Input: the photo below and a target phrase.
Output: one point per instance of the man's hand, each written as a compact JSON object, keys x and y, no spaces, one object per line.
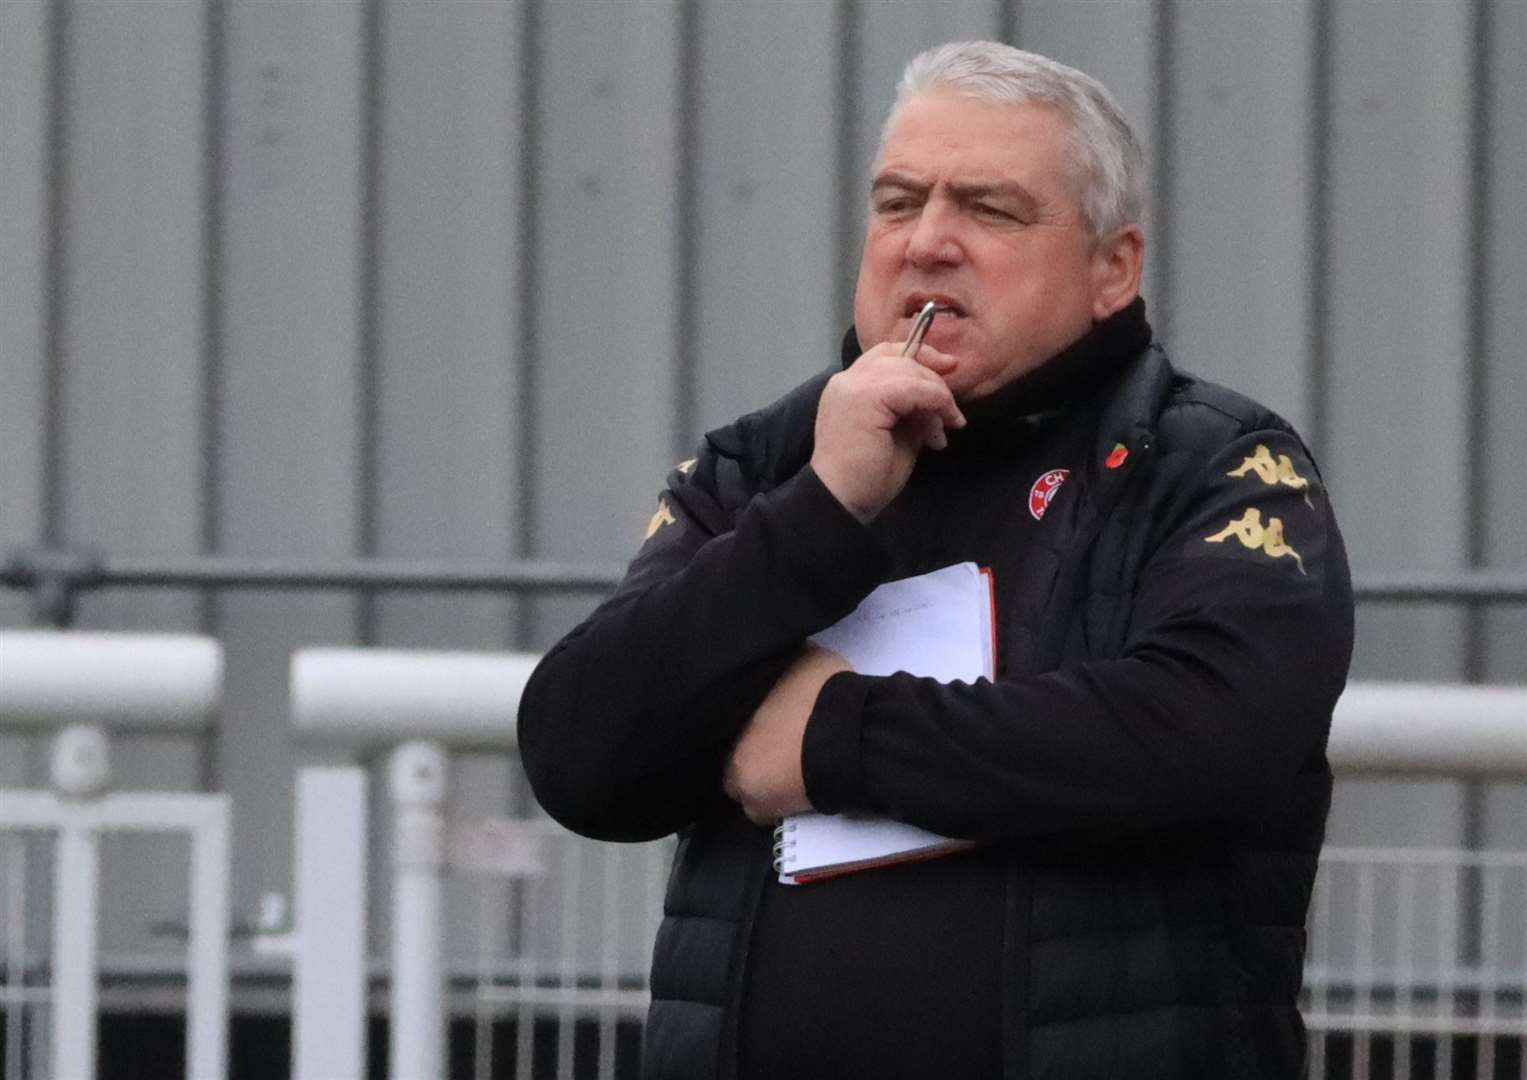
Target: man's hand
{"x":764,"y":772}
{"x":875,"y":418}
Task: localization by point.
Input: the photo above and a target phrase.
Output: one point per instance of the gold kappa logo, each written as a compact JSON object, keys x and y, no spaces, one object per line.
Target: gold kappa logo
{"x":1272,"y":472}
{"x":664,"y":516}
{"x":1254,"y":536}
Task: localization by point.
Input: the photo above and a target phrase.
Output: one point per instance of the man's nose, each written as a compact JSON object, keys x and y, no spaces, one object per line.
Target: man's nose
{"x":935,"y":239}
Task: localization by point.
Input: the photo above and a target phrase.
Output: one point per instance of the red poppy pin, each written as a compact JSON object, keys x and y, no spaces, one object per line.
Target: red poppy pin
{"x":1116,"y":456}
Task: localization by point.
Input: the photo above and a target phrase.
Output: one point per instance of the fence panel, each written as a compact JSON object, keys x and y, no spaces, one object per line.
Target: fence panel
{"x":1417,"y":963}
{"x":60,"y":984}
{"x":568,"y":995}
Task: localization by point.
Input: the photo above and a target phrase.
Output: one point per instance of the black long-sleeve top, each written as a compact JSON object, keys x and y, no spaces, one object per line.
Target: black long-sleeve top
{"x":1237,"y":646}
{"x":1187,"y":724}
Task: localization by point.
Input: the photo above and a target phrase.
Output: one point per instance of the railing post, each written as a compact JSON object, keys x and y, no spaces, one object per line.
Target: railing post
{"x":54,"y":680}
{"x":357,"y":701}
{"x":207,"y":960}
{"x":80,"y":768}
{"x":418,"y":788}
{"x":329,"y":983}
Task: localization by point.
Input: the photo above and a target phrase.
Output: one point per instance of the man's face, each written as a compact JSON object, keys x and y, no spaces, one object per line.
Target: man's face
{"x":974,"y":206}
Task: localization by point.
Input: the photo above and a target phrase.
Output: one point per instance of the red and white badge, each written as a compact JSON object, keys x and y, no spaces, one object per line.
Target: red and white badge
{"x":1044,"y":490}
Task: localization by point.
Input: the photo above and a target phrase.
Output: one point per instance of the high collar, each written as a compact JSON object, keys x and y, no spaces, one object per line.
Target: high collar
{"x":1069,"y":379}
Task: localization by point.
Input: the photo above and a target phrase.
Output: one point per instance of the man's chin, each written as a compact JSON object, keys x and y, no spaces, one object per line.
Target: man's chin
{"x":948,"y":334}
{"x":972,"y":379}
{"x":965,"y":381}
{"x":974,"y":387}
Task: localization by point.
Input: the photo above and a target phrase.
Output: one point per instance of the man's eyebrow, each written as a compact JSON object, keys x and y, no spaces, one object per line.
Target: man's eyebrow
{"x":1009,"y":189}
{"x":898,"y":180}
{"x":965,"y":191}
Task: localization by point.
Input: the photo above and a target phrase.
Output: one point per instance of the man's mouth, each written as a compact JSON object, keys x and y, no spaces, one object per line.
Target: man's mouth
{"x":947,"y":305}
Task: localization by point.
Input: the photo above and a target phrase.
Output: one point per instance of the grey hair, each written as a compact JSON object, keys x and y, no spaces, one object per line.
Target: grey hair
{"x":1104,"y":148}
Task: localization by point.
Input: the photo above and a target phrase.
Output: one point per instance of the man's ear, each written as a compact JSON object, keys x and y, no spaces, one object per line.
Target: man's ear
{"x":1116,"y":267}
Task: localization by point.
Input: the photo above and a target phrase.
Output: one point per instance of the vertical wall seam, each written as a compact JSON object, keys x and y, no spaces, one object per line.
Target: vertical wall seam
{"x":214,"y":58}
{"x":845,"y":181}
{"x":51,"y":511}
{"x":1163,"y":134}
{"x":687,"y":233}
{"x":1476,"y":494}
{"x":213,"y":134}
{"x":1481,"y":199}
{"x":369,"y":334}
{"x":527,"y":286}
{"x":1321,"y":175}
{"x":1008,"y":21}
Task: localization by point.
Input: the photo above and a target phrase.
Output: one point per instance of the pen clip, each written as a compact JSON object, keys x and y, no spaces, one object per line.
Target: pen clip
{"x":920,"y":328}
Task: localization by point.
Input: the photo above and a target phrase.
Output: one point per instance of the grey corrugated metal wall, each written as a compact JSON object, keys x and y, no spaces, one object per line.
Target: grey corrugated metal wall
{"x":463,"y":279}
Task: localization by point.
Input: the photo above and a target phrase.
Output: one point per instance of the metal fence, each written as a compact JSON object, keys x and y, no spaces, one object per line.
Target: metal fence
{"x":1417,"y":964}
{"x":1397,"y":984}
{"x":1386,"y":994}
{"x":51,"y":996}
{"x":571,"y":979}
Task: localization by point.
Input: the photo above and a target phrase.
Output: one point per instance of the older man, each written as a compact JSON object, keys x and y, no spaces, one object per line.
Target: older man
{"x":1145,"y":776}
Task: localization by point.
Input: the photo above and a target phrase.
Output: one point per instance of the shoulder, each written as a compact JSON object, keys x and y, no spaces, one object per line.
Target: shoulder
{"x":1201,"y":419}
{"x":753,"y":454}
{"x":1234,"y":482}
{"x":1218,"y":454}
{"x":766,"y":447}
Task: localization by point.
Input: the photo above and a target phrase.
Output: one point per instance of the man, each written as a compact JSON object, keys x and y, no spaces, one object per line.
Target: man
{"x":1146,"y":775}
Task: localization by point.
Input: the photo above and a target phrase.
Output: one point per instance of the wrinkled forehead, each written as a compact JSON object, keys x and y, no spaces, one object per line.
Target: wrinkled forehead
{"x":1031,"y":119}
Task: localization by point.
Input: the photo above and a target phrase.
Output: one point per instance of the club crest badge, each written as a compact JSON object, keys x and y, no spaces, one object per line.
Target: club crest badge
{"x":1044,"y":490}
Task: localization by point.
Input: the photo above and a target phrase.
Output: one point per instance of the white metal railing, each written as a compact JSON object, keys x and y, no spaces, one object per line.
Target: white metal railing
{"x":418,"y":703}
{"x":329,"y":983}
{"x":81,"y":686}
{"x":1391,"y":958}
{"x":1398,"y":729}
{"x":580,"y":917}
{"x":578,"y":958}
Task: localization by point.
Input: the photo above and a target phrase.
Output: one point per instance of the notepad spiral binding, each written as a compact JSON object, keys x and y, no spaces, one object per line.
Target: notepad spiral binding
{"x":781,"y":842}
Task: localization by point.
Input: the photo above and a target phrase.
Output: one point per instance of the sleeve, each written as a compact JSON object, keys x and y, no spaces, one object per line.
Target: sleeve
{"x":625,"y":724}
{"x":1236,"y":652}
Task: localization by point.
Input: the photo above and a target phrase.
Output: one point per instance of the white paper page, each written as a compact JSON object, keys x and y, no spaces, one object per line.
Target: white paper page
{"x":936,"y":625}
{"x":933,"y":626}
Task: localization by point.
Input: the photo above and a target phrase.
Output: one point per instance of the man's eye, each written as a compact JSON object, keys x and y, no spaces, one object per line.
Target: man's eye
{"x":996,"y":213}
{"x":893,"y":206}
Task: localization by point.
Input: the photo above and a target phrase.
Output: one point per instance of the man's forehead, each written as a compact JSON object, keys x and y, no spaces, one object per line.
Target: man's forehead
{"x":992,"y":141}
{"x":977,"y":145}
{"x":941,"y":107}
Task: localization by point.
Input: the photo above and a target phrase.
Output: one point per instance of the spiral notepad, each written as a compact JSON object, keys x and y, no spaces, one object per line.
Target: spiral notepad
{"x":939,"y":625}
{"x":811,"y":847}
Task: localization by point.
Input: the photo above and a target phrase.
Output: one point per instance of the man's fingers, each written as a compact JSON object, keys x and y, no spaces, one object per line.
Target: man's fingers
{"x":755,"y":811}
{"x":879,"y":395}
{"x":949,"y":414}
{"x":922,"y":429}
{"x":933,"y":360}
{"x":905,"y":396}
{"x":933,"y":432}
{"x":927,"y":357}
{"x":758,"y":816}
